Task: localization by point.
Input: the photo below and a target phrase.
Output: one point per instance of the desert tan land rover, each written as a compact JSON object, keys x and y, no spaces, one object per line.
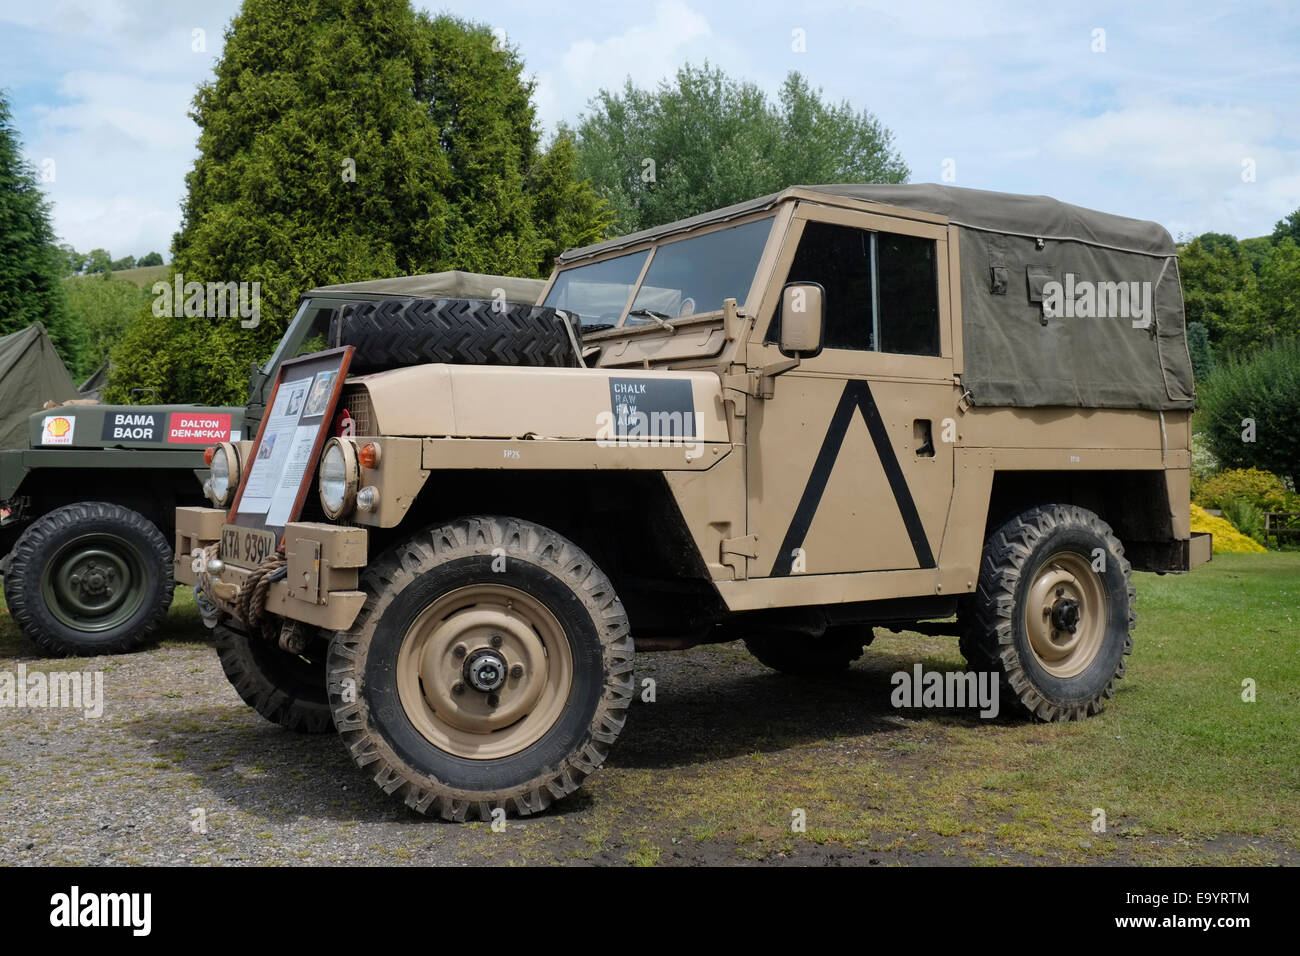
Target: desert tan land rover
{"x":787,"y":422}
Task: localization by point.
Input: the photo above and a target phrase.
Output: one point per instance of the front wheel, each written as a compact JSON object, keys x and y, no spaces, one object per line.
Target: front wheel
{"x":90,"y":578}
{"x":287,"y":689}
{"x":490,"y":668}
{"x":1053,"y":612}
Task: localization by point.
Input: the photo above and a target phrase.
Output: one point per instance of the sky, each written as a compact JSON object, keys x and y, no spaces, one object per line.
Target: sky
{"x":1185,"y":113}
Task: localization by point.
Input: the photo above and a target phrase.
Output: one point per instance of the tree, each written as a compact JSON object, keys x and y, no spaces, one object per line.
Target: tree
{"x":98,"y":260}
{"x":31,"y":264}
{"x":1290,"y":226}
{"x":1249,"y":410}
{"x":1257,"y":252}
{"x":152,"y":259}
{"x":704,"y":140}
{"x":1279,"y":290}
{"x":1220,"y":291}
{"x":126,"y":262}
{"x":1202,"y":353}
{"x":566,"y":210}
{"x":74,"y":262}
{"x":342,"y":140}
{"x":103,"y":308}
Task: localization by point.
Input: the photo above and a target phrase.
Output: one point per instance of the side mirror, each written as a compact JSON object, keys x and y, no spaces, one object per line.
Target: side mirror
{"x":801,"y":319}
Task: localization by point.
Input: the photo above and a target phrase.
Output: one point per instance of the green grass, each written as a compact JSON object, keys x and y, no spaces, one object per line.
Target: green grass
{"x":1185,"y":770}
{"x":143,"y":276}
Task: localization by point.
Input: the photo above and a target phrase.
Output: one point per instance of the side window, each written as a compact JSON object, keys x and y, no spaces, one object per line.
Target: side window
{"x":839,"y":259}
{"x":882,"y":291}
{"x":907,"y":274}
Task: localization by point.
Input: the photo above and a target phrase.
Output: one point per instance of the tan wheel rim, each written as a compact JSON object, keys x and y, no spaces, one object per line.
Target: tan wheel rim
{"x":467,"y":634}
{"x":1066,"y":613}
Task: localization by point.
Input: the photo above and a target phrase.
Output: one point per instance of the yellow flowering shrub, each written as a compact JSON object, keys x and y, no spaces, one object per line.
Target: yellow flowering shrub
{"x":1227,"y":539}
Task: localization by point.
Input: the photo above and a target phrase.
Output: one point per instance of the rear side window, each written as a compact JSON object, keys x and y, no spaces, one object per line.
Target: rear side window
{"x":909,"y":294}
{"x":882,"y":291}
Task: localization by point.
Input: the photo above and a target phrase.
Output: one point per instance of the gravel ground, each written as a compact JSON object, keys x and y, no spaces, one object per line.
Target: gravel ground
{"x":178,"y":770}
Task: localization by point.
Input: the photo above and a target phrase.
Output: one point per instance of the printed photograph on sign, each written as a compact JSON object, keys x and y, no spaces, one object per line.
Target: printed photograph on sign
{"x":321,"y":389}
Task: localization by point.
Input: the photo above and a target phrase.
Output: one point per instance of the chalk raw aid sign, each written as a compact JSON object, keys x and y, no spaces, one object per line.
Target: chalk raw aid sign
{"x":198,"y":428}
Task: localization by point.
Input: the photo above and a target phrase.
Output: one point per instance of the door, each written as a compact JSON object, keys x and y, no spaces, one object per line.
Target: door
{"x":850,"y":463}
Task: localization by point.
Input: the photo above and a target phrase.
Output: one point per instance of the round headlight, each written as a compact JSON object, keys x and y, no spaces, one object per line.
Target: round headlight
{"x":224,"y":473}
{"x":337,"y":478}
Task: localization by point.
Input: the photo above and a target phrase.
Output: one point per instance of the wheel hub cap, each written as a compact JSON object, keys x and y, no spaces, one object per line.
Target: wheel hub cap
{"x":484,"y":671}
{"x":93,"y":583}
{"x":1066,"y":614}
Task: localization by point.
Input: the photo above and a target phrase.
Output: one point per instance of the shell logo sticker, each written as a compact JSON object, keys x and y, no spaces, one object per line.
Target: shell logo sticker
{"x":57,"y":430}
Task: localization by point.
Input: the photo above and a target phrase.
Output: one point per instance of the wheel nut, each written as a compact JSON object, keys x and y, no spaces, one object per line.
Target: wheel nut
{"x":459,"y":650}
{"x":517,"y":671}
{"x":458,"y":688}
{"x":496,"y":640}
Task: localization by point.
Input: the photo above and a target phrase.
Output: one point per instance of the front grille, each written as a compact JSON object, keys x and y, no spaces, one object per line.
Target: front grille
{"x":356,"y":399}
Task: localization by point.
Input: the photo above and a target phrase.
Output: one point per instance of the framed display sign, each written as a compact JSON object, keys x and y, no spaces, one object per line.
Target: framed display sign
{"x":278,"y":476}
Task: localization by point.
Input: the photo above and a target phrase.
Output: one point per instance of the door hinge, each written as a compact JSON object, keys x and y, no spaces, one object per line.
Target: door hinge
{"x":759,"y":382}
{"x":736,"y":552}
{"x":746,"y":546}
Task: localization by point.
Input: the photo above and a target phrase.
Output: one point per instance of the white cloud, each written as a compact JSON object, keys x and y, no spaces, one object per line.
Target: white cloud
{"x":646,"y":52}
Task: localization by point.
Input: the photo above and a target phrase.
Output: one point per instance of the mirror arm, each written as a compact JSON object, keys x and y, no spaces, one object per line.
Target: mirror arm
{"x":760,"y":382}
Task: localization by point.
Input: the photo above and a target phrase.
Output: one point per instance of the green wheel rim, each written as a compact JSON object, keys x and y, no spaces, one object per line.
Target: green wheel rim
{"x":95,"y":582}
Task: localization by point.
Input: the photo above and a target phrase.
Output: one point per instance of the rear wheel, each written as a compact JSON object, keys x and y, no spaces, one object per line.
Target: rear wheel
{"x":1053,"y":612}
{"x":810,"y":656}
{"x":90,"y":578}
{"x":490,"y":668}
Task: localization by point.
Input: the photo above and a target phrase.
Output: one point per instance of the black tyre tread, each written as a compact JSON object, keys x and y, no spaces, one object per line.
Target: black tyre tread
{"x":987,"y":640}
{"x":292,"y":706}
{"x":804,"y":656}
{"x":385,"y":577}
{"x":403,"y":332}
{"x":27,"y":555}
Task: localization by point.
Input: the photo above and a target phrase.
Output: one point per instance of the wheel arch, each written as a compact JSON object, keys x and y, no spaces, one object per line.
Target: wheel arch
{"x":628,"y":521}
{"x":1136,"y":505}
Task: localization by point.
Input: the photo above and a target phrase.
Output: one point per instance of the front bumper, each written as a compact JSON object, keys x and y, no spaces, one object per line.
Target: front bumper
{"x":323,"y":563}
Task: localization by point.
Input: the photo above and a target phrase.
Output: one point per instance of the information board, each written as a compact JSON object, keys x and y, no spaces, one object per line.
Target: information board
{"x":278,"y":476}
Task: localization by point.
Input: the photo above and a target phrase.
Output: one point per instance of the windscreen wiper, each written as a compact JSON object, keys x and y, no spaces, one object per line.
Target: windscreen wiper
{"x":658,"y":317}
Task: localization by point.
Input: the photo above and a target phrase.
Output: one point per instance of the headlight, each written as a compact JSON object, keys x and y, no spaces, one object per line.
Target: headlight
{"x":224,"y":473}
{"x":337,"y":477}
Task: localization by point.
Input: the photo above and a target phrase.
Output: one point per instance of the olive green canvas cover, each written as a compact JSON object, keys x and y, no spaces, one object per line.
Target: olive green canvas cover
{"x":31,"y":374}
{"x":1011,"y":247}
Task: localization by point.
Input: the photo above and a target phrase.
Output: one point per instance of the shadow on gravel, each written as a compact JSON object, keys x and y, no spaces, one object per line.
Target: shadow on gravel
{"x":263,"y":769}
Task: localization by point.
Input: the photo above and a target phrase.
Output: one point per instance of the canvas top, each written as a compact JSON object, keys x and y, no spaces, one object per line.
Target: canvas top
{"x":444,"y":285}
{"x":1006,"y":213}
